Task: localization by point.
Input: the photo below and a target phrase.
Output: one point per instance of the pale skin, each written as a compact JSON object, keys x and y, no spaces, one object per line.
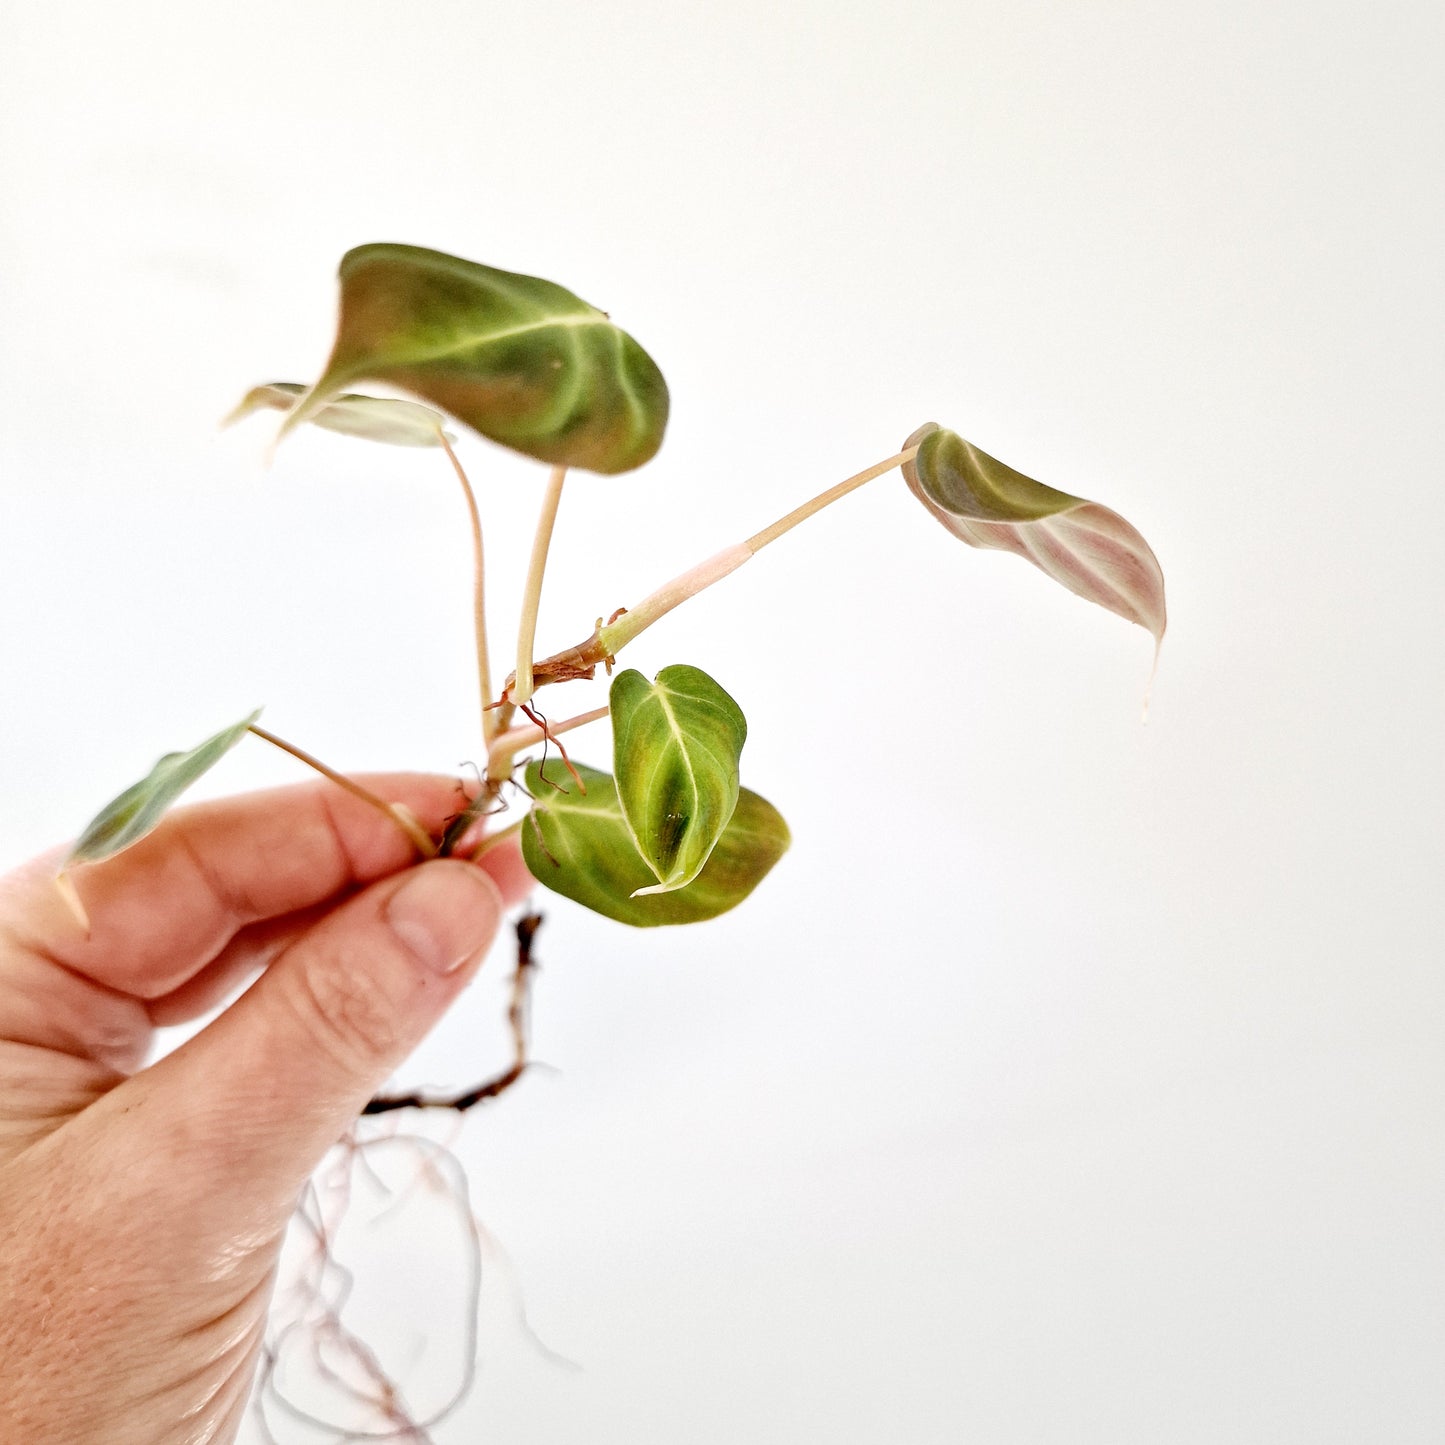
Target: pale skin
{"x":143,"y":1208}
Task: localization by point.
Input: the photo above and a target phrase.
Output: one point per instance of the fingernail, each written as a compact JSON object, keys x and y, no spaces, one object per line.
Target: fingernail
{"x":444,"y":914}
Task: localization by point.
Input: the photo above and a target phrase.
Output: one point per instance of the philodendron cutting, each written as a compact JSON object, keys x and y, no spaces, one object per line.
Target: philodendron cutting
{"x":669,"y":835}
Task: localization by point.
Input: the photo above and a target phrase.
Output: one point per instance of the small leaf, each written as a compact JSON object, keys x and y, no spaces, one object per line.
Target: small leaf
{"x":373,"y":418}
{"x":675,"y":748}
{"x":521,"y":360}
{"x":580,"y":846}
{"x":1089,"y":549}
{"x":128,"y":818}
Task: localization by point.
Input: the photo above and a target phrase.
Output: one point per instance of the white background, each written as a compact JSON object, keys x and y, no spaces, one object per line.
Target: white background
{"x":1069,"y":1081}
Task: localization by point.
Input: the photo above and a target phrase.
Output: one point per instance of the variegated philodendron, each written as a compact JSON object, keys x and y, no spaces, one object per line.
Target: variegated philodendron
{"x":670,"y":835}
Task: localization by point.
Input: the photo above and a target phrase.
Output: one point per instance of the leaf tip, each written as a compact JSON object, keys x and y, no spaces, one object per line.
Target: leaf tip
{"x":307,"y":404}
{"x":65,"y":886}
{"x":1149,"y":685}
{"x":239,"y":412}
{"x":667,"y":885}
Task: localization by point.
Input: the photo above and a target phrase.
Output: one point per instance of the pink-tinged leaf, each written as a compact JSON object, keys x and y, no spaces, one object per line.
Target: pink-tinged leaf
{"x":1091,"y":550}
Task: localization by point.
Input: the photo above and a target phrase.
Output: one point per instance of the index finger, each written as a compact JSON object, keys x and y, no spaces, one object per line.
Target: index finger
{"x":167,"y":906}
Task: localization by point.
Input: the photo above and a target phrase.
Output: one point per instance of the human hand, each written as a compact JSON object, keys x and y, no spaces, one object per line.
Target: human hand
{"x":143,"y":1209}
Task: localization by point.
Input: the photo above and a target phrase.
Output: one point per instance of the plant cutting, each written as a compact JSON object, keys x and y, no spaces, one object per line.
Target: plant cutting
{"x":657,"y":829}
{"x":668,"y":834}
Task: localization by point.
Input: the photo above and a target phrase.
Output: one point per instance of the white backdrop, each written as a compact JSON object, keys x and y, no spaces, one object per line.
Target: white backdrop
{"x":1070,"y":1081}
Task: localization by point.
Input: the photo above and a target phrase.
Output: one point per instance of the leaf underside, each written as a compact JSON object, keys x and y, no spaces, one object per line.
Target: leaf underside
{"x":129,"y":817}
{"x":579,"y":845}
{"x":521,"y":360}
{"x":676,"y":742}
{"x":1086,"y":547}
{"x":373,"y":418}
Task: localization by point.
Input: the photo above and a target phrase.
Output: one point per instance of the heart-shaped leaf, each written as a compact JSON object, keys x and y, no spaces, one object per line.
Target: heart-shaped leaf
{"x":1089,"y":549}
{"x":675,"y":748}
{"x":580,"y":846}
{"x":128,"y":818}
{"x":374,"y":418}
{"x":519,"y":359}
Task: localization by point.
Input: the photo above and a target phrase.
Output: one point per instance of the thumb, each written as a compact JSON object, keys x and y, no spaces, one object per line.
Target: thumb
{"x":261,"y":1093}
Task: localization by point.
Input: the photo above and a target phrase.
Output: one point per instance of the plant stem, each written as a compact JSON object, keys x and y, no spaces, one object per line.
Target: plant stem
{"x":479,"y":612}
{"x":493,"y":839}
{"x":479,"y":807}
{"x":613,"y":637}
{"x":522,"y":689}
{"x":759,"y":540}
{"x":399,"y":815}
{"x":505,"y":746}
{"x":617,"y":634}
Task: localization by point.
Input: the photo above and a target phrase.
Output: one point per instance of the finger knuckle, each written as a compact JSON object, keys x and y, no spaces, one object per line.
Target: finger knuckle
{"x":346,"y":1011}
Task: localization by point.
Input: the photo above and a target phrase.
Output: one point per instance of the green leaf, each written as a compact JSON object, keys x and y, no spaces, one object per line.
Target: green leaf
{"x":675,"y":748}
{"x":521,"y":360}
{"x":128,"y":818}
{"x":580,"y":846}
{"x":373,"y":418}
{"x":1087,"y":548}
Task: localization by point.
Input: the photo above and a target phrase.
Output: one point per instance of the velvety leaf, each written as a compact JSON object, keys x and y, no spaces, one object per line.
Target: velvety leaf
{"x":1089,"y":549}
{"x":128,"y":818}
{"x":519,"y":359}
{"x":373,"y":418}
{"x":580,"y":846}
{"x":675,"y":748}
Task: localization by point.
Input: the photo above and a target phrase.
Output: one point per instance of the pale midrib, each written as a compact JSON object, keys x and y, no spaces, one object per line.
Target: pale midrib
{"x":582,"y":810}
{"x":677,"y":740}
{"x":487,"y":338}
{"x":680,"y":741}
